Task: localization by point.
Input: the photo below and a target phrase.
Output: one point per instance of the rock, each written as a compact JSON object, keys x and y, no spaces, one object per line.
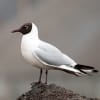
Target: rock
{"x":51,"y":92}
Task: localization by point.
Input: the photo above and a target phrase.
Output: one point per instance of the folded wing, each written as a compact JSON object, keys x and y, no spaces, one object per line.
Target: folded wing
{"x":50,"y":56}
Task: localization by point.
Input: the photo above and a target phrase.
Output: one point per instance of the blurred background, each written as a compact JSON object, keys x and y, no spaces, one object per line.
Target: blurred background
{"x":71,"y":25}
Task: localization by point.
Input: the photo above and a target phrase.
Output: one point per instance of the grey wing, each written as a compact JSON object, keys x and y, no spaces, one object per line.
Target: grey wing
{"x":53,"y":56}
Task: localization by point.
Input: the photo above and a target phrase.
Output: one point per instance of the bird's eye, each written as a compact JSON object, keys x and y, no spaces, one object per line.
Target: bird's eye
{"x":26,"y":26}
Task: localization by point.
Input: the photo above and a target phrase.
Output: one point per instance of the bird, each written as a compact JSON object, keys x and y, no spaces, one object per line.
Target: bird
{"x":46,"y":56}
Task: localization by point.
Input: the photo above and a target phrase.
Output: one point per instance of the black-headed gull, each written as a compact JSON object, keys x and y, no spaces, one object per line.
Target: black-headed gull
{"x":46,"y":56}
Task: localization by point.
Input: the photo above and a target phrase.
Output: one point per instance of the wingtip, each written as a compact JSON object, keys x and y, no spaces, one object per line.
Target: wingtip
{"x":95,"y":71}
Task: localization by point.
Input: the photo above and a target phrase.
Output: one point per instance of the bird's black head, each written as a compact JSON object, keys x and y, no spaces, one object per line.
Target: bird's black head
{"x":24,"y":29}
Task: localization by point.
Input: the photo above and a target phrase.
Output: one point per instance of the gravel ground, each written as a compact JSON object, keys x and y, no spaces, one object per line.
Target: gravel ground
{"x":51,"y":92}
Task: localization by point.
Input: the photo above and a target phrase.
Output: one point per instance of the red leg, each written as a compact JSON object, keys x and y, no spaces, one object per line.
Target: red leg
{"x":40,"y":76}
{"x":46,"y":76}
{"x":39,"y":81}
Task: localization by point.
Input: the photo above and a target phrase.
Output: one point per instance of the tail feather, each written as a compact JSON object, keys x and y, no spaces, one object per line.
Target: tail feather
{"x":85,"y":69}
{"x":70,"y":70}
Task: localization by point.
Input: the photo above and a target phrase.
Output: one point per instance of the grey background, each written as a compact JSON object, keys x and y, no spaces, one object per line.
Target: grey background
{"x":71,"y":25}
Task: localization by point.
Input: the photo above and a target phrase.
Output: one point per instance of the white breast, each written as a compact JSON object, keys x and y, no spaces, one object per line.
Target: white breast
{"x":28,"y":46}
{"x":26,"y":50}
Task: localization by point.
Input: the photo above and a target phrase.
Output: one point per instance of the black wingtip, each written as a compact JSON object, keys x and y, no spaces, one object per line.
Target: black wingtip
{"x":79,"y":66}
{"x":95,"y":71}
{"x":85,"y":67}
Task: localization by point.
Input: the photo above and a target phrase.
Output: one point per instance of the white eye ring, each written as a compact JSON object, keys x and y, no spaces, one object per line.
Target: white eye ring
{"x":26,"y":26}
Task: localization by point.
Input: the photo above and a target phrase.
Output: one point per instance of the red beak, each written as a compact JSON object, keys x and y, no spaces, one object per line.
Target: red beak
{"x":14,"y":31}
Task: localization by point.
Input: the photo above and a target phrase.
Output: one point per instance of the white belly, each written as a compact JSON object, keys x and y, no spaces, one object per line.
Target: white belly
{"x":27,"y":54}
{"x":27,"y":49}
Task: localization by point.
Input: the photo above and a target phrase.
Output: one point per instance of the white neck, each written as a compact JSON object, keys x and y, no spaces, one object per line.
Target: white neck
{"x":34,"y":30}
{"x":30,"y":41}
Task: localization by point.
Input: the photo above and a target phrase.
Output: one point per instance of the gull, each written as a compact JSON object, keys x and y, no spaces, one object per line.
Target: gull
{"x":43,"y":55}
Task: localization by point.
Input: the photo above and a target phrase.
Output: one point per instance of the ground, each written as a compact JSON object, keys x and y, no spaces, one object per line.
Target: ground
{"x":51,"y":92}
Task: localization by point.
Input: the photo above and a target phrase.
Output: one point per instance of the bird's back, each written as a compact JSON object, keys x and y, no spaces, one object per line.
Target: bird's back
{"x":52,"y":55}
